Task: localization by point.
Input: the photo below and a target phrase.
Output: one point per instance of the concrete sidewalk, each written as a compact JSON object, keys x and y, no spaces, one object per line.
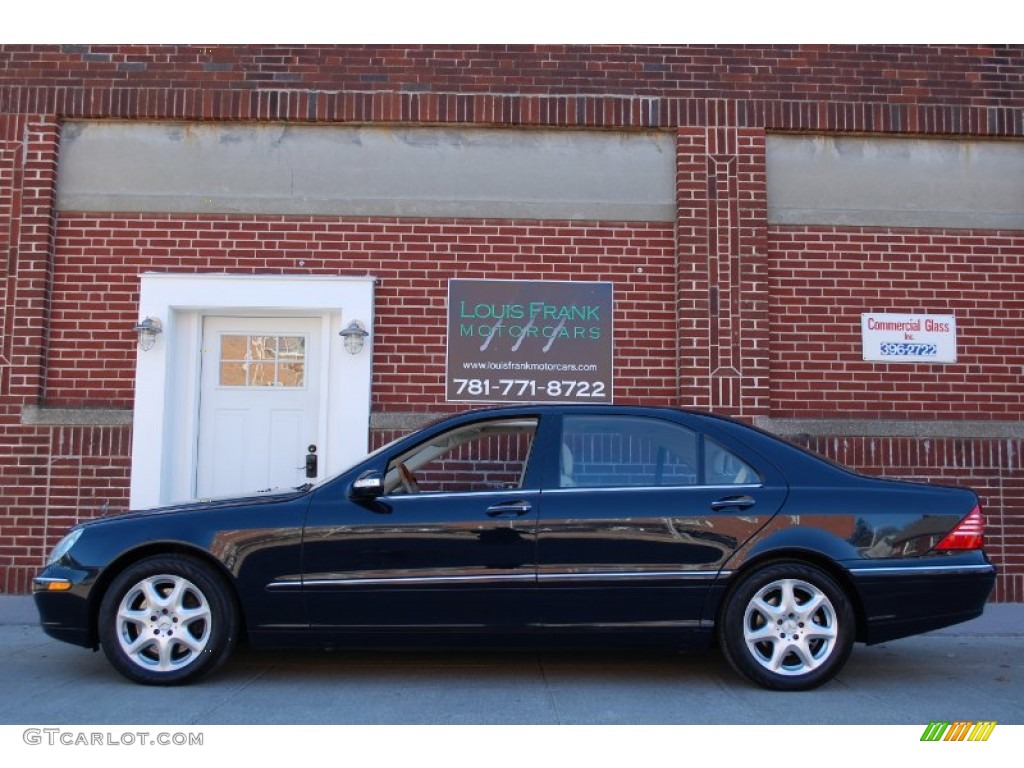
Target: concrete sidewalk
{"x":18,"y":609}
{"x":999,"y":619}
{"x":968,"y":672}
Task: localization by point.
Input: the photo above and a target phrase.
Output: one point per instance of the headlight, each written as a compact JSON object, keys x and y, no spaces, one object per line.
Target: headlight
{"x":64,"y":546}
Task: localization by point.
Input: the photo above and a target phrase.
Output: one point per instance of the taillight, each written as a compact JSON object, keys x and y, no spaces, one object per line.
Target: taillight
{"x":968,"y":534}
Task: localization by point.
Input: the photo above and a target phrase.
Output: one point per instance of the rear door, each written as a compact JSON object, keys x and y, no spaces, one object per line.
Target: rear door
{"x":644,"y":514}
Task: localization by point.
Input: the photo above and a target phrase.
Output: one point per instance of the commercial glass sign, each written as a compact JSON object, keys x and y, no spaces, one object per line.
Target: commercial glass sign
{"x":891,"y":338}
{"x":512,"y":341}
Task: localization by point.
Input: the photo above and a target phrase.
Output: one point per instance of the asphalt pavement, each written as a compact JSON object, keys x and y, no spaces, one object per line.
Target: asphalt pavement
{"x":973,"y":671}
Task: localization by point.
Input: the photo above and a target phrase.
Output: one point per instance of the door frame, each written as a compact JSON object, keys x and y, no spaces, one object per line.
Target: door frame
{"x":166,"y":412}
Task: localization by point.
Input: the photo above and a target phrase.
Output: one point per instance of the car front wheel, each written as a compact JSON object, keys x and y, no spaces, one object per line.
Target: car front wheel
{"x":167,"y":620}
{"x":787,"y":626}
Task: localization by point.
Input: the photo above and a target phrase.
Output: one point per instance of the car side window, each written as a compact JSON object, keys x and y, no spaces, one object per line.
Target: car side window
{"x":483,"y":456}
{"x":723,"y":467}
{"x":603,"y":451}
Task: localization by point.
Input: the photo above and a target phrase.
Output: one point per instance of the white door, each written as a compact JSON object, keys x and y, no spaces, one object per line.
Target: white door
{"x":259,"y":403}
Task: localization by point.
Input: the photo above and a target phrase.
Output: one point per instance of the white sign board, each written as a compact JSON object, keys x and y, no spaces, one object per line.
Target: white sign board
{"x":908,"y":338}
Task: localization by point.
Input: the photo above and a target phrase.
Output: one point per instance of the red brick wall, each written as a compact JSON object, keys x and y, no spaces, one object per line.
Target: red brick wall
{"x":980,"y":75}
{"x":52,"y":478}
{"x":820,"y":281}
{"x":99,"y":258}
{"x":958,"y":90}
{"x":28,"y":156}
{"x":722,"y":301}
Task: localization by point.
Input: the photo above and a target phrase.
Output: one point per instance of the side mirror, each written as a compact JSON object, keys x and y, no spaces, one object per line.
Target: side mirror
{"x":368,"y":485}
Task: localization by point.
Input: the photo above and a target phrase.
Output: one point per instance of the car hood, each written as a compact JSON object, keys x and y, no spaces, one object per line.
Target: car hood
{"x":274,"y":496}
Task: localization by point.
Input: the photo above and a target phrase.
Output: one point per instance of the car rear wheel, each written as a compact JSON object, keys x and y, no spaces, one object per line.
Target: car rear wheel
{"x":787,"y":626}
{"x":167,"y":620}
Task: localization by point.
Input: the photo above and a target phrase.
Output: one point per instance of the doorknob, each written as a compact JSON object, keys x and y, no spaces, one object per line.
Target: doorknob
{"x":311,"y":466}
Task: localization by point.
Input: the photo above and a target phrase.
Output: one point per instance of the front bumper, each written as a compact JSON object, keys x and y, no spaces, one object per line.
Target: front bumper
{"x":64,"y":613}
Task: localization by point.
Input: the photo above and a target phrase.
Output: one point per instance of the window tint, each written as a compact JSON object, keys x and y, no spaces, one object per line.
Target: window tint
{"x":485,"y":456}
{"x":723,"y":467}
{"x":626,"y":451}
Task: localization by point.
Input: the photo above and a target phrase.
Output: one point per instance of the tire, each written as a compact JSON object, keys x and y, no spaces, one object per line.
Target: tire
{"x":787,"y":626}
{"x":167,"y":620}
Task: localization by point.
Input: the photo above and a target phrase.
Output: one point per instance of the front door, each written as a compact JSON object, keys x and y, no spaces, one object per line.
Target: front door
{"x":259,"y":404}
{"x":449,"y":545}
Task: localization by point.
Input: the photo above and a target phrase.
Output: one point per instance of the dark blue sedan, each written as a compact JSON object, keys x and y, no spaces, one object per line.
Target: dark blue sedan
{"x":535,"y":524}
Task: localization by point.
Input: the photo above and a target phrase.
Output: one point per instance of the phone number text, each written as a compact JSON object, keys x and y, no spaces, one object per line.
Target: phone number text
{"x":516,"y":388}
{"x":903,"y":349}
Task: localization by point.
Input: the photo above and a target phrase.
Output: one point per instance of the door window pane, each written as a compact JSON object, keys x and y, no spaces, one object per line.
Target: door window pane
{"x":261,"y":374}
{"x":610,"y":451}
{"x":723,"y":467}
{"x":262,"y":347}
{"x":258,"y":361}
{"x":291,"y":361}
{"x":233,"y":347}
{"x":485,"y":456}
{"x":232,"y":374}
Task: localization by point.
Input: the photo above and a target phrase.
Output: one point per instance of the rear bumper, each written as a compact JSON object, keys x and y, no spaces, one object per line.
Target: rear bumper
{"x":900,"y":598}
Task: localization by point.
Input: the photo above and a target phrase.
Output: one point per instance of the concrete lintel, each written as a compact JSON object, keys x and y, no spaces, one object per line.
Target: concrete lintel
{"x":273,"y":168}
{"x":890,"y":428}
{"x":402,"y":420}
{"x":35,"y":415}
{"x":895,"y":182}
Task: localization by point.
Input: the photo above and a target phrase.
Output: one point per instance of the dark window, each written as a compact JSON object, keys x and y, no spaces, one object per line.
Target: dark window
{"x":723,"y":467}
{"x":609,"y":451}
{"x":626,"y":451}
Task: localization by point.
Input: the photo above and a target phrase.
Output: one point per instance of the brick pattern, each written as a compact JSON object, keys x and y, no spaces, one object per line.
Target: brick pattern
{"x":693,"y":302}
{"x":722,"y":302}
{"x":99,"y":258}
{"x":11,"y":129}
{"x":28,"y":158}
{"x":53,"y":478}
{"x":903,"y":89}
{"x":894,"y":74}
{"x":654,"y":112}
{"x":28,"y":166}
{"x":820,"y":281}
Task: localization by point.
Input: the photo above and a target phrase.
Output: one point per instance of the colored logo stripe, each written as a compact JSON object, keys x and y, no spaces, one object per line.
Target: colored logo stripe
{"x":961,"y":730}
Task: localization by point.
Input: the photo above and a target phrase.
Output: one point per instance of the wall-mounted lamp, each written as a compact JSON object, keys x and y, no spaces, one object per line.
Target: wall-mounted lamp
{"x":354,"y":335}
{"x":147,"y":330}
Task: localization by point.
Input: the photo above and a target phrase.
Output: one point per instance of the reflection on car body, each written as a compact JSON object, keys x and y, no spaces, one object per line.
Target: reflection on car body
{"x":537,"y":524}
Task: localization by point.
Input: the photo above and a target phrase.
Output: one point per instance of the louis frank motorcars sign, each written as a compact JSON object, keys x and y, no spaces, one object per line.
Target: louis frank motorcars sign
{"x":529,"y":341}
{"x":892,"y":338}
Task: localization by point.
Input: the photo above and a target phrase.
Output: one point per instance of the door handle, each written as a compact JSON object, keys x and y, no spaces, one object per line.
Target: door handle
{"x":509,"y":509}
{"x":742,"y":502}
